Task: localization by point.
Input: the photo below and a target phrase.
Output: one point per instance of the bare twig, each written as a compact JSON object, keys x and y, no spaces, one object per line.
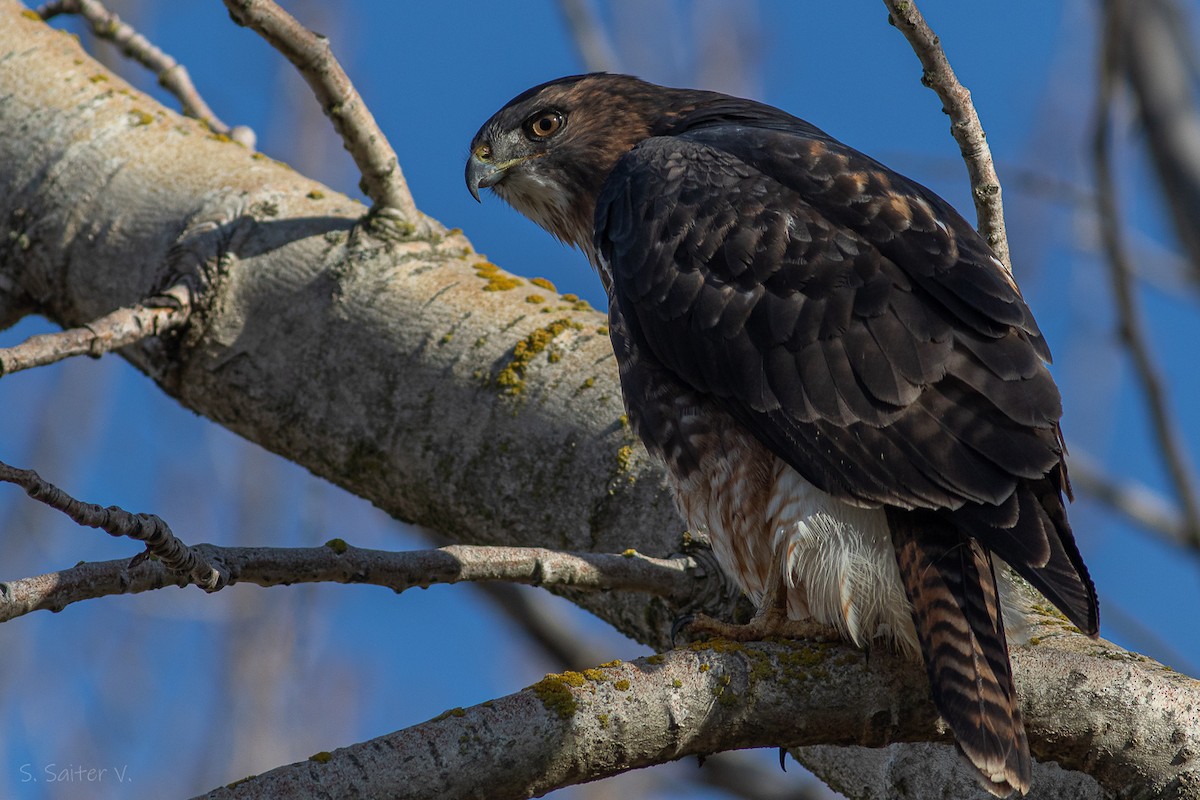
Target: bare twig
{"x":311,"y":54}
{"x":964,"y":123}
{"x":121,"y":328}
{"x":1157,"y":59}
{"x":149,"y":529}
{"x":1130,"y":325}
{"x":594,"y":46}
{"x":1143,"y":506}
{"x":338,"y":562}
{"x":171,"y":75}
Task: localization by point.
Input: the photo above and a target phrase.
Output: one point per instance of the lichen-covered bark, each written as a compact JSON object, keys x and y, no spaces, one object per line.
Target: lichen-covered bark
{"x":693,"y":701}
{"x":422,"y":378}
{"x":412,"y":372}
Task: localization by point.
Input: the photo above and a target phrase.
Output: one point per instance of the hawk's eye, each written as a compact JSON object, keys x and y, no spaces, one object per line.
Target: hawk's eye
{"x":545,"y":125}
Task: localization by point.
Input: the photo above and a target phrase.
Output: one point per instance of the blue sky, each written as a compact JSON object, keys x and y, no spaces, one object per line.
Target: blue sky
{"x":100,"y":684}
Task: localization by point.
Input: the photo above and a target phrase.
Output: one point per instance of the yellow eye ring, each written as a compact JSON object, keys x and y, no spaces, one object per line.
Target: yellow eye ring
{"x":544,"y":125}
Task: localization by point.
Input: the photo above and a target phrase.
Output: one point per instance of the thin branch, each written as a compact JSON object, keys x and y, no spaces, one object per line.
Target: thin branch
{"x":1143,"y":506}
{"x":121,"y":328}
{"x":149,"y":529}
{"x":595,"y":49}
{"x":1130,"y":325}
{"x":964,"y":123}
{"x":337,"y":562}
{"x":382,"y":179}
{"x":171,"y":75}
{"x":1158,"y":63}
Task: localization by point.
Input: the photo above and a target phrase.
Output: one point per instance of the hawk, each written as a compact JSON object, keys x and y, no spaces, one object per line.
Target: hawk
{"x":847,"y":389}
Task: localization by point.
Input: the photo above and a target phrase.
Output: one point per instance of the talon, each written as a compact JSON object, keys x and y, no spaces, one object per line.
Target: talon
{"x":681,"y":623}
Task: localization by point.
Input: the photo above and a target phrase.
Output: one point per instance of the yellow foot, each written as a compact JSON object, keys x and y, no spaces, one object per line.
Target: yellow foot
{"x":763,"y":626}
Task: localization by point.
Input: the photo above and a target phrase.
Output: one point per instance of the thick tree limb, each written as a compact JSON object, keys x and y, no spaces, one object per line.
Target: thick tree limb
{"x":964,"y":123}
{"x":708,"y":697}
{"x":412,"y":372}
{"x":382,"y":179}
{"x":676,"y":579}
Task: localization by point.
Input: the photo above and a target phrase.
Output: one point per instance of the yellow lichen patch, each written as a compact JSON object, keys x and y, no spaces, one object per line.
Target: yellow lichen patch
{"x":587,"y":384}
{"x":29,"y":13}
{"x":534,"y":299}
{"x":140,"y":117}
{"x":512,"y":377}
{"x":602,"y":719}
{"x":98,"y":78}
{"x":496,"y":280}
{"x":594,"y":675}
{"x":556,"y":695}
{"x":616,"y":662}
{"x":705,"y":667}
{"x":657,"y":658}
{"x":678,"y":684}
{"x":338,"y":546}
{"x":621,"y":685}
{"x":602,"y":330}
{"x":543,"y":283}
{"x":323,"y":757}
{"x":630,"y":553}
{"x":315,"y":194}
{"x":625,"y":458}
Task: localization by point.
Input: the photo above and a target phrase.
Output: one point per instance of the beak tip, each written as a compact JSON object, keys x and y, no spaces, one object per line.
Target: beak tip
{"x":481,"y":175}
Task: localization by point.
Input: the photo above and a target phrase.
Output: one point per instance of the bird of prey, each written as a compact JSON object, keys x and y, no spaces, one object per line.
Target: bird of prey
{"x":848,"y":391}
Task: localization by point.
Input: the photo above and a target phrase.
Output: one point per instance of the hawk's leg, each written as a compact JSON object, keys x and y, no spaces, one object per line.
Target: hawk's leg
{"x":771,"y":619}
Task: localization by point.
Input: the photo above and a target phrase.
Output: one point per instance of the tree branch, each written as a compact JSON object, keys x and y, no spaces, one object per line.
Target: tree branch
{"x":676,"y":579}
{"x":382,"y":179}
{"x":1156,"y":57}
{"x":709,"y":697}
{"x":171,"y":75}
{"x":146,"y":528}
{"x":115,"y":330}
{"x":1136,"y":501}
{"x":964,"y":123}
{"x":1130,"y":324}
{"x":413,"y":375}
{"x":587,"y":32}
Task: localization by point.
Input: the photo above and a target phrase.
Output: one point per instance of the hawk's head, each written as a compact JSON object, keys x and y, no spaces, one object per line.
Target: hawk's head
{"x":550,"y":149}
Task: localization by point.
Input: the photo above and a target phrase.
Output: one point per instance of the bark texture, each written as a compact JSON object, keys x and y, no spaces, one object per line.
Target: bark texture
{"x":421,"y":377}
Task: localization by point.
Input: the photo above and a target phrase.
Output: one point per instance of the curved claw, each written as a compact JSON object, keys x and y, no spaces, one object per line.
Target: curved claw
{"x":681,"y":623}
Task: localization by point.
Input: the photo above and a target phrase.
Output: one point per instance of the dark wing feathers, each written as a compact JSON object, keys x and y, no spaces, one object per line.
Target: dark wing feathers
{"x":854,"y":322}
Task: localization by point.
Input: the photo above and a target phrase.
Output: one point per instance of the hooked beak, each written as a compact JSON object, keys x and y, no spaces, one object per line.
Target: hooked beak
{"x":481,"y":175}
